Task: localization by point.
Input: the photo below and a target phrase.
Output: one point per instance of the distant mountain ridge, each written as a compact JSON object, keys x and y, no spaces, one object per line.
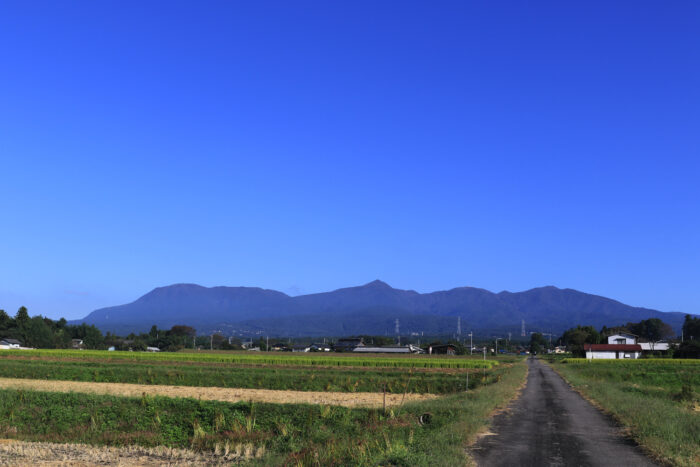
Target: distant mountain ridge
{"x":368,"y":309}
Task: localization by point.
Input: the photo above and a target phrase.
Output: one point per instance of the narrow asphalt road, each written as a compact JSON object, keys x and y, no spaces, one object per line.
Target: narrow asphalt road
{"x":552,"y":425}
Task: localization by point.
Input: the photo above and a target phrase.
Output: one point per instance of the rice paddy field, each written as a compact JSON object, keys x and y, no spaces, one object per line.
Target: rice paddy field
{"x":656,"y":399}
{"x":250,"y":409}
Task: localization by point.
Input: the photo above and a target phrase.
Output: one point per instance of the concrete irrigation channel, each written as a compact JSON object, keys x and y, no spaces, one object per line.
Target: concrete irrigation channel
{"x":346,"y":399}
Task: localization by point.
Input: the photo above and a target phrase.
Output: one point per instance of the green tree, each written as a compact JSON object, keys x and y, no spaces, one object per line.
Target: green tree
{"x":691,"y":328}
{"x":537,"y":342}
{"x":652,"y":329}
{"x":38,"y":334}
{"x":93,"y":338}
{"x":575,"y":338}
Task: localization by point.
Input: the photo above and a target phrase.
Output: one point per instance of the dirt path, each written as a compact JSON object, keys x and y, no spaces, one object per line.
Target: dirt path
{"x":347,"y":399}
{"x":551,"y":425}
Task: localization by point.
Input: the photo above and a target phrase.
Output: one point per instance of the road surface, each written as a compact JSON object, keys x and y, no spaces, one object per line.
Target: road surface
{"x":552,"y":425}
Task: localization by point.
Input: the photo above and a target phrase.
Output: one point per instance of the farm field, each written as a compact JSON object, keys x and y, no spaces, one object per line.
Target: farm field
{"x":428,"y":419}
{"x":656,"y":399}
{"x":299,"y":378}
{"x":268,"y":358}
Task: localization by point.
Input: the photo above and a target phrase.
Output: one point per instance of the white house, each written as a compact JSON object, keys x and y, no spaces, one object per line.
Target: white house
{"x":622,"y":338}
{"x":8,"y":343}
{"x":612,"y":351}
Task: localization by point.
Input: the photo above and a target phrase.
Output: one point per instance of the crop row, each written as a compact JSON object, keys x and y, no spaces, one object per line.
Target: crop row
{"x":278,"y":378}
{"x":263,"y":358}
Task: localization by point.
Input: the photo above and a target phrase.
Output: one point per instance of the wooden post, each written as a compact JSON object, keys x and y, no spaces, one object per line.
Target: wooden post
{"x":384,"y":402}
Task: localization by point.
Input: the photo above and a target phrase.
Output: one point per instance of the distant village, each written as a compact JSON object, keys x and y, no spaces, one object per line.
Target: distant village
{"x":651,"y":337}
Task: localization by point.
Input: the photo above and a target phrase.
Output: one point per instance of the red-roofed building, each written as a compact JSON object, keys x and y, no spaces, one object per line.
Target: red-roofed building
{"x":612,"y":351}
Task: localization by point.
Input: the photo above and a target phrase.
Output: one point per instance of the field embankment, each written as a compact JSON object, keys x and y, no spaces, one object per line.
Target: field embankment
{"x":655,"y":399}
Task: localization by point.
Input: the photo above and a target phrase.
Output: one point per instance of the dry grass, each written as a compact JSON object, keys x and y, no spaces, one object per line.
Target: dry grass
{"x":44,"y":454}
{"x":355,"y":399}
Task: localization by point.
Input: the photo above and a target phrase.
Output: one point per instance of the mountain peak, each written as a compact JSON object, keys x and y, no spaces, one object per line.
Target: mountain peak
{"x":377,"y":284}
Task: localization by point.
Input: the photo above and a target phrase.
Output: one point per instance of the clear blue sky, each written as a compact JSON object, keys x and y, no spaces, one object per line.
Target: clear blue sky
{"x":307,"y":146}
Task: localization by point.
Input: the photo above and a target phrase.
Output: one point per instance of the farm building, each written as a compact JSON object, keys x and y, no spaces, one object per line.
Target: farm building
{"x":389,"y":349}
{"x":612,"y":351}
{"x":348,"y":344}
{"x":631,"y":339}
{"x":301,"y":348}
{"x":654,"y":346}
{"x":447,"y":349}
{"x":320,"y":348}
{"x":77,"y":344}
{"x":8,"y":343}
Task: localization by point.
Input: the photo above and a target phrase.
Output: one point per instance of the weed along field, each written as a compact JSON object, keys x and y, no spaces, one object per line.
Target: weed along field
{"x":220,"y":408}
{"x":657,"y":399}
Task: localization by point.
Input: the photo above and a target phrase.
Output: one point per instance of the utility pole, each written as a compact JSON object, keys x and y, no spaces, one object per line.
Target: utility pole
{"x":267,"y":343}
{"x":498,"y":339}
{"x":459,"y":327}
{"x":211,"y":344}
{"x":471,"y":345}
{"x":398,"y":333}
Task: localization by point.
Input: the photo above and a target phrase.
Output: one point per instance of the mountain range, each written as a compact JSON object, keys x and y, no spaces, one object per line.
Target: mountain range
{"x":368,"y":309}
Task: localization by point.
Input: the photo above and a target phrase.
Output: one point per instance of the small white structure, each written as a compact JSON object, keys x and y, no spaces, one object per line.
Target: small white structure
{"x":612,"y":351}
{"x":8,"y":343}
{"x":654,"y":346}
{"x":152,"y":349}
{"x":390,"y":349}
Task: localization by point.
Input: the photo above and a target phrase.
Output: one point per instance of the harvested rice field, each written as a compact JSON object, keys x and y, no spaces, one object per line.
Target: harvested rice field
{"x":345,"y":399}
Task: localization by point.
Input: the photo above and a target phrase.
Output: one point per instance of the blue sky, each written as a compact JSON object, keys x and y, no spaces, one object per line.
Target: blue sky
{"x":307,"y":146}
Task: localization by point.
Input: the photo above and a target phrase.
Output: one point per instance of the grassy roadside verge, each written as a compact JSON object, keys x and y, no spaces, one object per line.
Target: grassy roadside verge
{"x":663,"y":424}
{"x":273,"y":434}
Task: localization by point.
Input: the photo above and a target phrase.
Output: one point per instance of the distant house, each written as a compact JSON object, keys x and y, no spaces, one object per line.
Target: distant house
{"x":8,"y":343}
{"x":445,"y":349}
{"x":631,"y":339}
{"x":560,"y":349}
{"x":152,"y":349}
{"x":320,"y":348}
{"x":612,"y":351}
{"x":279,"y":348}
{"x":77,"y":344}
{"x":348,"y":344}
{"x":301,"y":348}
{"x":389,"y":349}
